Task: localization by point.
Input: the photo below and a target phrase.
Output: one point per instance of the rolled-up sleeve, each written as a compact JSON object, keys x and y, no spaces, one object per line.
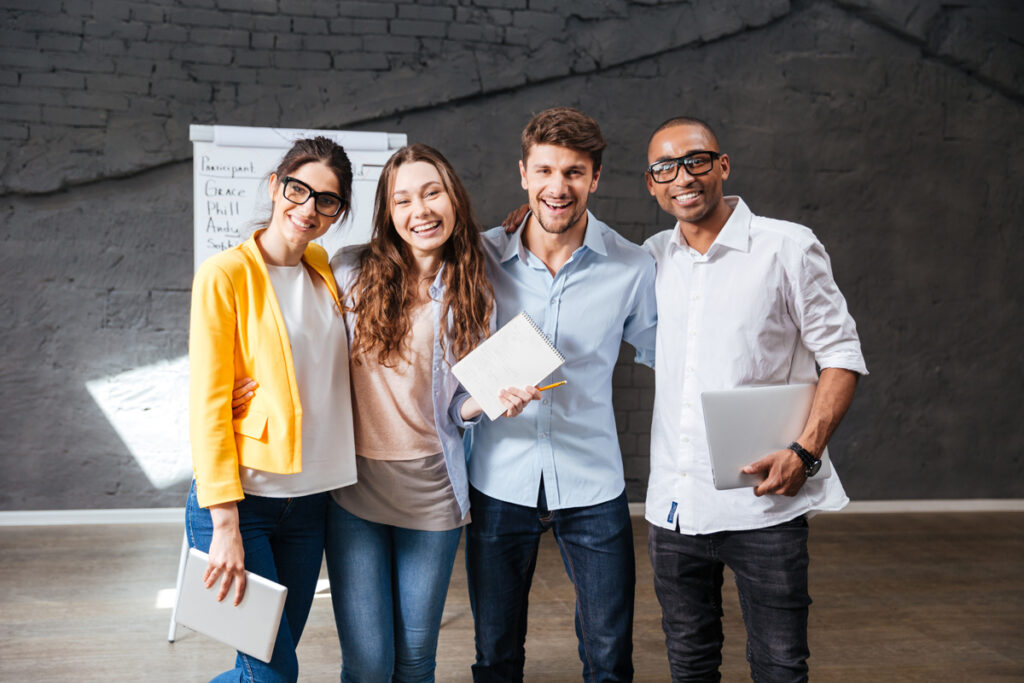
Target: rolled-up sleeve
{"x":461,"y":395}
{"x":826,"y":326}
{"x":455,"y":410}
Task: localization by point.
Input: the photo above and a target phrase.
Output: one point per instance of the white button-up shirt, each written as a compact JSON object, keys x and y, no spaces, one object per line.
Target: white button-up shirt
{"x":760,"y":307}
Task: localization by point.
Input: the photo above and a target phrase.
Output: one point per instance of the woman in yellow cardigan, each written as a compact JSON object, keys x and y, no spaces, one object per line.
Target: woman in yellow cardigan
{"x":269,"y":308}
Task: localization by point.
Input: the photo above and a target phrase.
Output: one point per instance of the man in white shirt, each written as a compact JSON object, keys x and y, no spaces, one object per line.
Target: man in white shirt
{"x":742,"y":300}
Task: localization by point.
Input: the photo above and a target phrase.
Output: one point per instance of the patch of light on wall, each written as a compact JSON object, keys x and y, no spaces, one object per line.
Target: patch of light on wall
{"x":148,"y":408}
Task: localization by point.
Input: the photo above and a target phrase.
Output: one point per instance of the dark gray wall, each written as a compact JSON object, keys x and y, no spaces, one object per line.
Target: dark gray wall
{"x":891,"y":128}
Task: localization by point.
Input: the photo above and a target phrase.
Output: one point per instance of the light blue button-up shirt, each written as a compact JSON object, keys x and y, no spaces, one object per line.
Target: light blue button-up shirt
{"x":604,"y":294}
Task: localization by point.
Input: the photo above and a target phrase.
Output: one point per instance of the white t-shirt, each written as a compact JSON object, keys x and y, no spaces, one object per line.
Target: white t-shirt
{"x":316,"y":331}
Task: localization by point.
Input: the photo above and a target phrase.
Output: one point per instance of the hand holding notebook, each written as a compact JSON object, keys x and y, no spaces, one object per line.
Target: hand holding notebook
{"x":517,"y":355}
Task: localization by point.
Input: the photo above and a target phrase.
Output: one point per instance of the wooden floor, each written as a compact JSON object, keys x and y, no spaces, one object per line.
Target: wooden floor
{"x":909,"y":597}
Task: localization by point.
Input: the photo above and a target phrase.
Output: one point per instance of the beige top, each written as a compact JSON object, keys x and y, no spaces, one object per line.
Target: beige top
{"x":412,"y":494}
{"x":393,"y":411}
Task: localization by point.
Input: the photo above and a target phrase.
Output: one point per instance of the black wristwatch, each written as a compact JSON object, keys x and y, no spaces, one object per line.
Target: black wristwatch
{"x":811,"y":464}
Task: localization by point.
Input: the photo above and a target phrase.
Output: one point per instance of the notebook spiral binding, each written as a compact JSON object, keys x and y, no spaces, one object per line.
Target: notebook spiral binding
{"x":543,"y":336}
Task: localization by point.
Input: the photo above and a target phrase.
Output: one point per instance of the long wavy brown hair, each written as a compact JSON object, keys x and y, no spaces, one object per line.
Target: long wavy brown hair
{"x":386,"y":288}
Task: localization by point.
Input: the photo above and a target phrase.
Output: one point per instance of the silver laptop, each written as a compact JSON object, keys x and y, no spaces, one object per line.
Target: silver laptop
{"x":251,"y":627}
{"x":745,"y":424}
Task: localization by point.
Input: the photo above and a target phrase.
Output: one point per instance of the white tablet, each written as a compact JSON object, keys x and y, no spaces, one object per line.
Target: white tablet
{"x":745,"y":424}
{"x":251,"y":627}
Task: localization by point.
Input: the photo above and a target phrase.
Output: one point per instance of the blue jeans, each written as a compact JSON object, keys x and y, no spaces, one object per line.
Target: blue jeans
{"x":388,"y":586}
{"x":596,"y":543}
{"x":284,"y":542}
{"x":770,"y":566}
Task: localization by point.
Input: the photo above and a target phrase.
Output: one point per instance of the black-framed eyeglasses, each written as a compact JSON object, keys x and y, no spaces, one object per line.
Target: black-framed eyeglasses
{"x":326,"y":203}
{"x":696,"y":163}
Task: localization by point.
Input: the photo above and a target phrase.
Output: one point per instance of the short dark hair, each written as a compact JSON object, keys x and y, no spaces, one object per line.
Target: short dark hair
{"x":328,"y":152}
{"x":685,"y":121}
{"x":565,"y":127}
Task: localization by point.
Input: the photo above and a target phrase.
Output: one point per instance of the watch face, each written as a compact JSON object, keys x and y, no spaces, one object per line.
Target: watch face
{"x":813,"y":469}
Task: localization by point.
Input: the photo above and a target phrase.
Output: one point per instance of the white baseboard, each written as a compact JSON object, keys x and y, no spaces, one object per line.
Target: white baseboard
{"x":960,"y":505}
{"x":109,"y":516}
{"x":860,"y":507}
{"x":177,"y":515}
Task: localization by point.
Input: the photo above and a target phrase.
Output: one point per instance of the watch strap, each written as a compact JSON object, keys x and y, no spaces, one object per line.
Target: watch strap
{"x":811,"y":464}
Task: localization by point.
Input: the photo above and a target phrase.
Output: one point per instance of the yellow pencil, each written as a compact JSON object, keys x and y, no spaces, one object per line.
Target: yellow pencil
{"x":551,"y":386}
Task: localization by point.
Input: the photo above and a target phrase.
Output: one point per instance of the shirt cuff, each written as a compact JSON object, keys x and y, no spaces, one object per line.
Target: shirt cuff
{"x":854,"y":362}
{"x":645,"y":357}
{"x":455,"y":412}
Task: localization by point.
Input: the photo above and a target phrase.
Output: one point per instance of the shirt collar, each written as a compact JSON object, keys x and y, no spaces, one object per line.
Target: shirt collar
{"x":593,"y":239}
{"x":514,"y":245}
{"x":735,"y":234}
{"x":437,"y":286}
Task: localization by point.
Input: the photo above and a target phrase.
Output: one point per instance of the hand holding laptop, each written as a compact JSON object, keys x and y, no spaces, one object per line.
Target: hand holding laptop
{"x":747,"y":422}
{"x":227,"y":555}
{"x":783,"y":473}
{"x":249,"y":626}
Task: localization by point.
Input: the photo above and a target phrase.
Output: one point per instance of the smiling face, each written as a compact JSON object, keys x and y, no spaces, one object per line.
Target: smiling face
{"x":421,"y":209}
{"x":696,"y":200}
{"x":293,"y":226}
{"x":558,"y":181}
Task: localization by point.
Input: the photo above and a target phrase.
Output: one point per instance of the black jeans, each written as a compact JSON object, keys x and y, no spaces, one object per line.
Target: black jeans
{"x":770,"y":566}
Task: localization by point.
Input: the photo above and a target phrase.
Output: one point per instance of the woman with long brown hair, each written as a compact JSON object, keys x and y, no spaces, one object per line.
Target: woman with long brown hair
{"x":417,"y":300}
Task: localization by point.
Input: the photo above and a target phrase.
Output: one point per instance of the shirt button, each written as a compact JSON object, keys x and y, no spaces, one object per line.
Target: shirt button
{"x":543,"y":436}
{"x":544,"y":401}
{"x":686,"y":439}
{"x":682,"y":474}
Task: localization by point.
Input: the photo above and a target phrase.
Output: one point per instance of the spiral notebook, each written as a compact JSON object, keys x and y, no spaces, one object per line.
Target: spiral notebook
{"x":517,"y":355}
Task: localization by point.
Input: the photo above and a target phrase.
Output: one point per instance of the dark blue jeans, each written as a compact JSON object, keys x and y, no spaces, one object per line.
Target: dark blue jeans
{"x":596,"y":543}
{"x":284,"y":542}
{"x":770,"y":566}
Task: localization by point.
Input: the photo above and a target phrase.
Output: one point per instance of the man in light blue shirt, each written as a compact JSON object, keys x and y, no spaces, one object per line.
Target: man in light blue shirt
{"x":558,"y":465}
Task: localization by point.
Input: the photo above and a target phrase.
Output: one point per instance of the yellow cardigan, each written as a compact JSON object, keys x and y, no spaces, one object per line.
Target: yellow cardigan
{"x":237,"y":330}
